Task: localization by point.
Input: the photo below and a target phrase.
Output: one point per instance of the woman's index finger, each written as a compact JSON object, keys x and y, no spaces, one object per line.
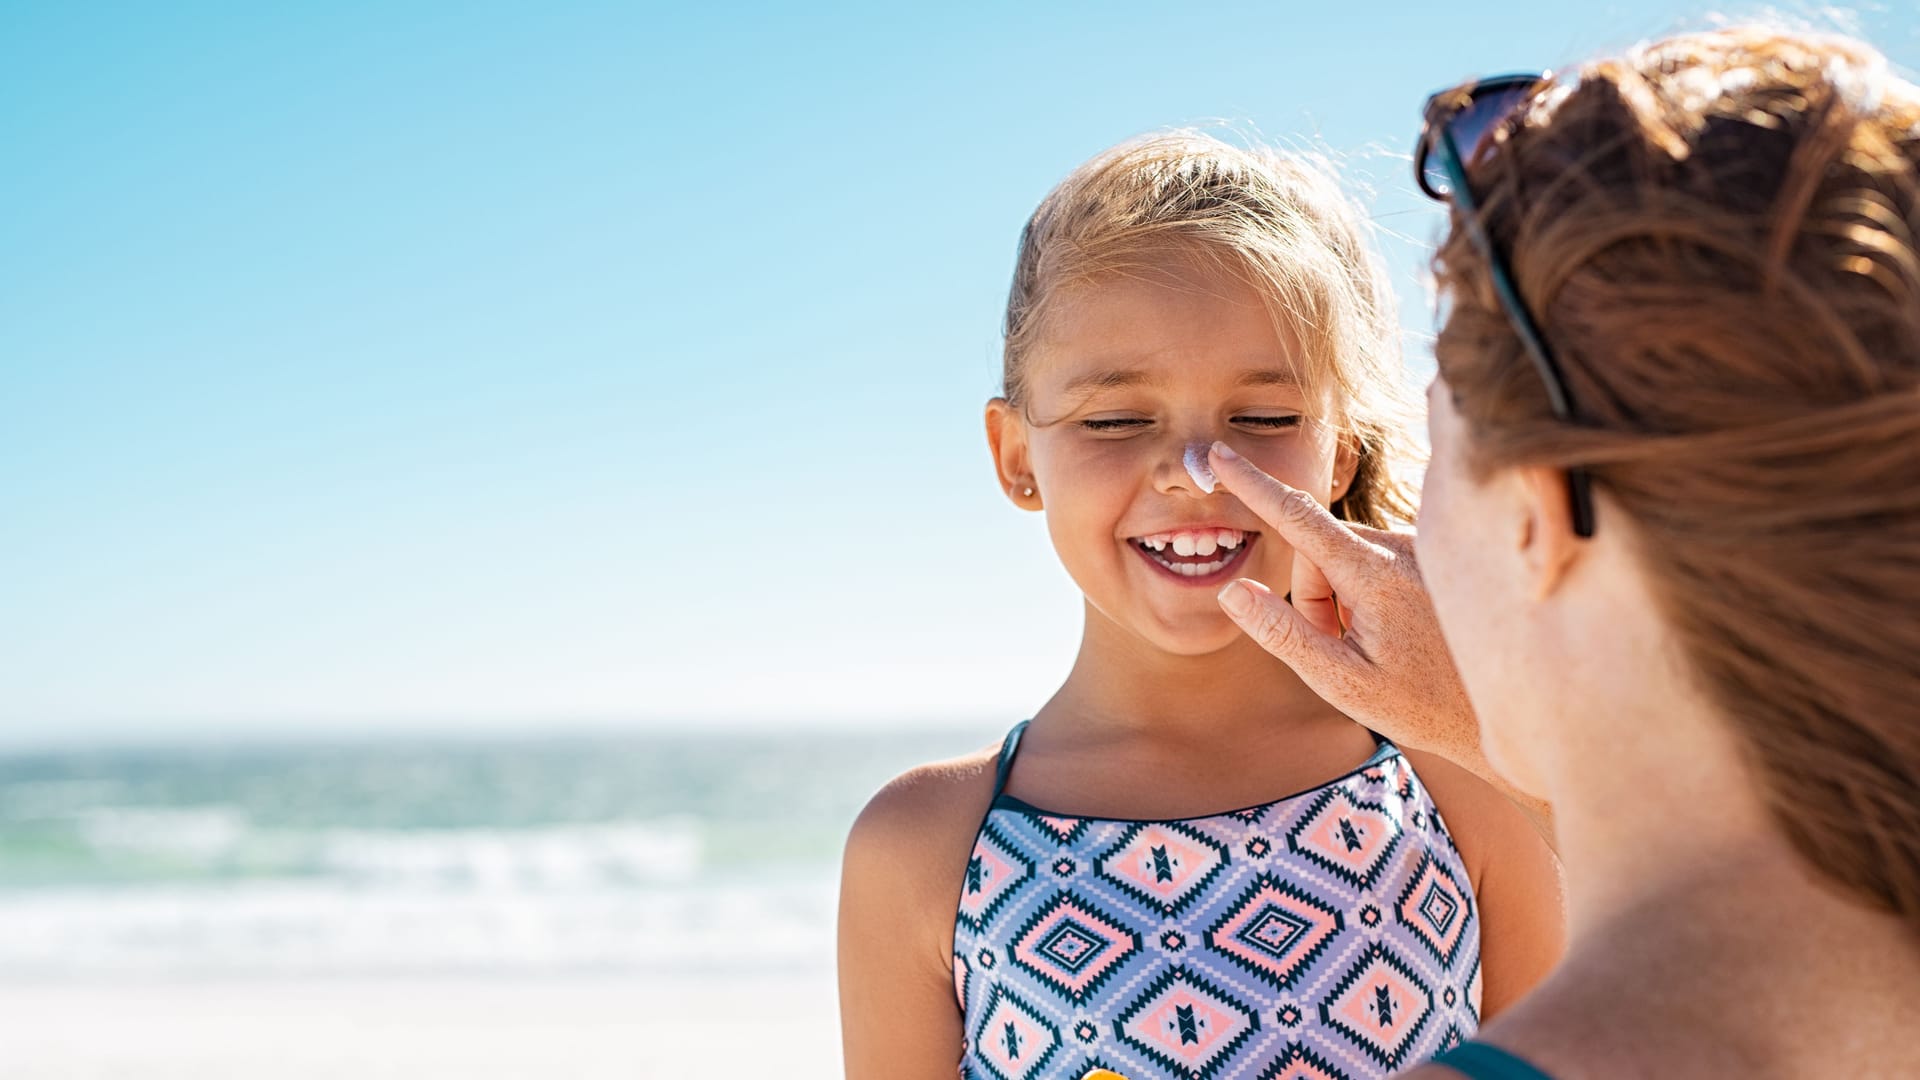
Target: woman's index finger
{"x":1298,"y":517}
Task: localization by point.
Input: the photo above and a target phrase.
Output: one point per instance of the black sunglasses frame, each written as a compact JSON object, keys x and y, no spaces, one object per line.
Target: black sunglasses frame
{"x":1437,"y":139}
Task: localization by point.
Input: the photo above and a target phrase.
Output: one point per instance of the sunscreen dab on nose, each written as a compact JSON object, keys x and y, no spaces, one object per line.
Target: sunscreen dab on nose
{"x":1198,"y":467}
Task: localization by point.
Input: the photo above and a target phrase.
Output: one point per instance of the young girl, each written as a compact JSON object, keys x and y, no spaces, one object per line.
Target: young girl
{"x":1186,"y":864}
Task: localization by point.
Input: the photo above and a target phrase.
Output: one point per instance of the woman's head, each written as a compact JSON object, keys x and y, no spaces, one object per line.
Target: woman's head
{"x":1717,"y":235}
{"x":1176,"y":290}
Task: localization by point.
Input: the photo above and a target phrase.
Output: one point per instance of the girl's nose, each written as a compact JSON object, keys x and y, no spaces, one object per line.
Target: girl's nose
{"x":1195,"y":459}
{"x":1188,"y":470}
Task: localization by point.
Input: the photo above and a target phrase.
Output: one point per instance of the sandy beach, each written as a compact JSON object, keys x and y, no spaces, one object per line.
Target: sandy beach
{"x":549,"y":1027}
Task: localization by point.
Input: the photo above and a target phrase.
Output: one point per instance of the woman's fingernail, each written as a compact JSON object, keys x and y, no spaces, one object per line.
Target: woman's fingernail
{"x":1226,"y":452}
{"x":1236,"y":598}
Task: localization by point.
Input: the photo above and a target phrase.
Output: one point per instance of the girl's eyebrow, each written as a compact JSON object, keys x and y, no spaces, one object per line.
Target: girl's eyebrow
{"x":1116,"y":378}
{"x":1269,"y":377}
{"x":1111,"y":379}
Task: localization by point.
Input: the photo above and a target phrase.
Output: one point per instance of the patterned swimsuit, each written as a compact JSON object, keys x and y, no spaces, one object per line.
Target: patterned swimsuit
{"x":1329,"y":934}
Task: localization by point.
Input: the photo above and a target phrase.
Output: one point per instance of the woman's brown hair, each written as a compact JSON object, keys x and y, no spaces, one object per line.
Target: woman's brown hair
{"x":1719,"y":235}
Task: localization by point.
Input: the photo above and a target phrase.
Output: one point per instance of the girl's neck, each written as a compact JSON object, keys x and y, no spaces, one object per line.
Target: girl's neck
{"x":1121,"y":685}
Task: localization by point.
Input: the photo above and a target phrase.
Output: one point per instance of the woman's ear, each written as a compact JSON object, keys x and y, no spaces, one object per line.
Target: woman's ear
{"x":1547,"y":543}
{"x":1012,"y":460}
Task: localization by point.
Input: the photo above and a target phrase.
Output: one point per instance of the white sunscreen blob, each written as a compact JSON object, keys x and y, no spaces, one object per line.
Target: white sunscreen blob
{"x":1197,"y":466}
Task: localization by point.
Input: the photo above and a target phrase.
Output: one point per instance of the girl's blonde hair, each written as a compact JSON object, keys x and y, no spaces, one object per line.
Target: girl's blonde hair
{"x":1278,"y":222}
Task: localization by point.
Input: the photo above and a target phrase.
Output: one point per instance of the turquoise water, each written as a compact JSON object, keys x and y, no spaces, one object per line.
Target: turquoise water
{"x":601,"y":853}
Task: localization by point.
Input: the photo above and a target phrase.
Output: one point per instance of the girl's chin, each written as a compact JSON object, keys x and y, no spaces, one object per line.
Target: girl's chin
{"x":1196,"y":636}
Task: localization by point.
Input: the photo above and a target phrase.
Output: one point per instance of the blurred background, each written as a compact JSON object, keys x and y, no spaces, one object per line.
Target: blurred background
{"x":488,"y":490}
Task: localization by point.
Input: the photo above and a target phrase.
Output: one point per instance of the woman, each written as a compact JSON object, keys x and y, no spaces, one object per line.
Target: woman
{"x":1671,"y":533}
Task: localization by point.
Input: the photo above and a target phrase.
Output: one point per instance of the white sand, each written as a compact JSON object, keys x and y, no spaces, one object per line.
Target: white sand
{"x":571,"y":1027}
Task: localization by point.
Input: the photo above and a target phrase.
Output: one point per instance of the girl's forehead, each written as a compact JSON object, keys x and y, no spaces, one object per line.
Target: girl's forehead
{"x":1149,"y":333}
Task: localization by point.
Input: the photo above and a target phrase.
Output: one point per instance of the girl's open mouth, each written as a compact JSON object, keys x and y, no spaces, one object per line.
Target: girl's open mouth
{"x":1195,"y":556}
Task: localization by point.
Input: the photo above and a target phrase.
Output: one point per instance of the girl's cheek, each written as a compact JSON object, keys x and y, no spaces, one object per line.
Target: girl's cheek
{"x":1294,"y":462}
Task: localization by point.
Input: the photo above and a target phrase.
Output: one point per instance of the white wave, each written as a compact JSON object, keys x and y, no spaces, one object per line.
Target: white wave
{"x":548,"y":857}
{"x":564,"y":857}
{"x":338,"y":928}
{"x":197,"y":833}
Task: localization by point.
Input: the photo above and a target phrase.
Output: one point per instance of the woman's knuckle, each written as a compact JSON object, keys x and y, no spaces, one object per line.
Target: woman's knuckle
{"x":1299,"y":505}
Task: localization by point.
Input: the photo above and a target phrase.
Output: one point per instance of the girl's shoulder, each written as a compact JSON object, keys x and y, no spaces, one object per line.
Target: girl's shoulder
{"x":917,"y":830}
{"x":1517,"y":885}
{"x":1483,"y":824}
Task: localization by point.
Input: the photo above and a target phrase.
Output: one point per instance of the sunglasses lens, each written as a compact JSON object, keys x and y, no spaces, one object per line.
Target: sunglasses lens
{"x":1471,"y":128}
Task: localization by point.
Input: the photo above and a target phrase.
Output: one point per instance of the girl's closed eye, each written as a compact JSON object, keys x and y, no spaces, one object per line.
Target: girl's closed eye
{"x":1115,"y":424}
{"x":1269,"y":422}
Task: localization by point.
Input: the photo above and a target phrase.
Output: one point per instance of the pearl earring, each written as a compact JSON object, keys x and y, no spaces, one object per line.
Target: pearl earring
{"x":1026,"y":492}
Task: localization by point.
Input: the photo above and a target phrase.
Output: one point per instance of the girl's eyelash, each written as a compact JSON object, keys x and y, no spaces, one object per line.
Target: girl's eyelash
{"x":1122,"y":423}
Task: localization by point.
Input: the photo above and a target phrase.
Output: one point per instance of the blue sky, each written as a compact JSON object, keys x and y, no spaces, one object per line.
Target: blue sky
{"x":476,"y":366}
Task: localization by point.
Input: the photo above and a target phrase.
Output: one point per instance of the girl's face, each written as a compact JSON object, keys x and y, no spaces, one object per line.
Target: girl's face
{"x":1130,"y":373}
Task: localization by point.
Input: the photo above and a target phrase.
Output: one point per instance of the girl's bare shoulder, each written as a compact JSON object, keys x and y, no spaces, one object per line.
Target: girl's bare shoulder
{"x":918,"y":829}
{"x":1484,"y":824}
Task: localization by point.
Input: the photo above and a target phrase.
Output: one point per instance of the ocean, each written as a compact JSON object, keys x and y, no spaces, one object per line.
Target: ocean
{"x":481,"y":908}
{"x":647,"y":856}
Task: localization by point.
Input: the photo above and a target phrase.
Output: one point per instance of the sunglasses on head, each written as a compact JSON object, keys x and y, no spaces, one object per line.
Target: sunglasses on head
{"x":1457,"y":128}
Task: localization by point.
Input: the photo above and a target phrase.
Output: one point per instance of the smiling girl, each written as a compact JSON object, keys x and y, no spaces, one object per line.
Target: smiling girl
{"x":1187,"y":864}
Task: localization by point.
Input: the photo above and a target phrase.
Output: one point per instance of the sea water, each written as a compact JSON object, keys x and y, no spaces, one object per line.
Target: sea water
{"x":643,"y":855}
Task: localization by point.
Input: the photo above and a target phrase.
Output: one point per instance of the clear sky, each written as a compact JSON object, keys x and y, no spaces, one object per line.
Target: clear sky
{"x":474,"y":365}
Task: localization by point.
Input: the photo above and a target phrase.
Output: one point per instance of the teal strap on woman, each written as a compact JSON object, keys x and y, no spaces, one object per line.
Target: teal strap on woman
{"x":1482,"y":1061}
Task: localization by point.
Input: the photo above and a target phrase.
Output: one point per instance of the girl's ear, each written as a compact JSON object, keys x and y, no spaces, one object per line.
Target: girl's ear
{"x":1346,"y":463}
{"x":1012,"y":460}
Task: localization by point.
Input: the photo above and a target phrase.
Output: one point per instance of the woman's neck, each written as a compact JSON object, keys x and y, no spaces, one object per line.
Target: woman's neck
{"x":1693,"y":923}
{"x":1121,"y":685}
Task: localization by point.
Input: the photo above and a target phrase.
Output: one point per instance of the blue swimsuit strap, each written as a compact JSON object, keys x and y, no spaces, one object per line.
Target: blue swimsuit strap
{"x":1484,"y":1061}
{"x":1007,"y":749}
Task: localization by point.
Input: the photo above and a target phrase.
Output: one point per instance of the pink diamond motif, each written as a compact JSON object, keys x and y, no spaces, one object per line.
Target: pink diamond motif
{"x":1380,"y":1006}
{"x":1351,"y":837}
{"x":1163,"y":864}
{"x":1187,"y":1025}
{"x":1072,"y":946}
{"x":1436,"y":909}
{"x":995,"y":872}
{"x":1013,"y":1040}
{"x":1064,"y":829}
{"x":1276,"y":930}
{"x":1301,"y":1063}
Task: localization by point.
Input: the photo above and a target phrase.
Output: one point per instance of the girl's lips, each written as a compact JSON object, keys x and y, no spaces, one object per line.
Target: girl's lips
{"x":1213,"y":571}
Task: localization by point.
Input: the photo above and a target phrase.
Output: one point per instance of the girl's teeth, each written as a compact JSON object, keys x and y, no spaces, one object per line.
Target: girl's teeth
{"x":1196,"y":544}
{"x":1200,"y":569}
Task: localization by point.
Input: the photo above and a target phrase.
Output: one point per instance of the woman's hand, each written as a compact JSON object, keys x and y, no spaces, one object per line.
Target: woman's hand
{"x":1360,"y":630}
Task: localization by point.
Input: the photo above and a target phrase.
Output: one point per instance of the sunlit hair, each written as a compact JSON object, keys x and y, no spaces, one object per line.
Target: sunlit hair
{"x":1717,"y":233}
{"x":1278,"y":222}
